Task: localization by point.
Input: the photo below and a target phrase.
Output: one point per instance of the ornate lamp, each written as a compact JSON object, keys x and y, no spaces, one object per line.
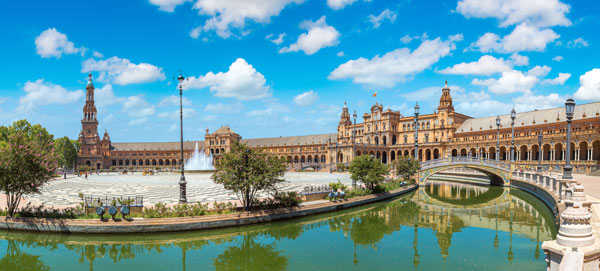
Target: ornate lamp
{"x":569,"y":108}
{"x":417,"y":131}
{"x":498,"y":138}
{"x":182,"y":182}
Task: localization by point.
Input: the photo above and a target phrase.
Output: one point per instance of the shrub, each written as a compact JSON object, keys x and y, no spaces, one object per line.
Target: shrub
{"x":357,"y":192}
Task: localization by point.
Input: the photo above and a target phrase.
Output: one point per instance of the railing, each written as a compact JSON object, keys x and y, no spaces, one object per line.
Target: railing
{"x":562,"y":190}
{"x":465,"y":160}
{"x":134,"y":200}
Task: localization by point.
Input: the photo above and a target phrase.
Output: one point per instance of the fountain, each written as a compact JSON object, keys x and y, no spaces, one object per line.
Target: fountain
{"x":200,"y":162}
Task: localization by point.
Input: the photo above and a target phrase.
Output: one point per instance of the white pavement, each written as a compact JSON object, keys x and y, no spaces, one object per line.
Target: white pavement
{"x":162,"y":187}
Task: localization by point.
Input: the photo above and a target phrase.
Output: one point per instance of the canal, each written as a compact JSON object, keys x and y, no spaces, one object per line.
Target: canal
{"x":441,"y":226}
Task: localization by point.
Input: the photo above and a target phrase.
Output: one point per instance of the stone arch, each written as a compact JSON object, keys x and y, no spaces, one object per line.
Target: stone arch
{"x":427,"y":154}
{"x":378,"y":155}
{"x":173,"y":162}
{"x":523,"y":151}
{"x":473,"y":152}
{"x":384,"y":140}
{"x":216,"y":151}
{"x":167,"y":162}
{"x":405,"y":153}
{"x":309,"y":158}
{"x":372,"y":153}
{"x":546,"y":151}
{"x":302,"y":159}
{"x":358,"y":153}
{"x":296,"y":159}
{"x":89,"y":163}
{"x":154,"y":162}
{"x":503,"y":154}
{"x":323,"y":159}
{"x":341,"y":157}
{"x":454,"y":152}
{"x":463,"y":152}
{"x":120,"y":162}
{"x":535,"y":152}
{"x":384,"y":157}
{"x":392,"y":156}
{"x":376,"y":140}
{"x":558,"y":152}
{"x":420,"y":154}
{"x":222,"y":150}
{"x":160,"y":162}
{"x":140,"y":163}
{"x":436,"y":153}
{"x":583,"y":150}
{"x":492,"y":153}
{"x":497,"y":177}
{"x":394,"y":139}
{"x":596,"y":150}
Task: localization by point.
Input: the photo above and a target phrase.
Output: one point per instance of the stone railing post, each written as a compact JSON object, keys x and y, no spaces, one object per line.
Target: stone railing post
{"x":574,"y":247}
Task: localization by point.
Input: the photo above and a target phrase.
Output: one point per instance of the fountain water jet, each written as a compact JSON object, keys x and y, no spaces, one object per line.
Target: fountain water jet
{"x":200,"y":161}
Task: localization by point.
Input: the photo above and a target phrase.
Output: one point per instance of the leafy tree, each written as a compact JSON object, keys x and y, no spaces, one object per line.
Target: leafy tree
{"x":246,"y":172}
{"x":66,"y":150}
{"x":27,"y":161}
{"x":406,"y":167}
{"x":248,"y":254}
{"x":368,"y":170}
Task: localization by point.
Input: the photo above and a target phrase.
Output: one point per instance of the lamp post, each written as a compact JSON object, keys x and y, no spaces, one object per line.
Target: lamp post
{"x":417,"y":131}
{"x":498,"y":138}
{"x":182,"y":182}
{"x":513,"y":115}
{"x":353,"y":143}
{"x":540,"y":136}
{"x":330,"y":158}
{"x":292,"y":157}
{"x":569,"y":108}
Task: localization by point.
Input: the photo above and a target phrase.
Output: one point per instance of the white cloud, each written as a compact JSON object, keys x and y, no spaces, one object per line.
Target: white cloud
{"x":559,"y":80}
{"x":52,"y":43}
{"x":306,"y":98}
{"x":384,"y":15}
{"x":540,"y":13}
{"x":407,"y":39}
{"x":105,"y":96}
{"x":209,"y":118}
{"x":578,"y":43}
{"x":319,"y":35}
{"x":589,"y":88}
{"x":481,"y":104}
{"x":173,"y":100}
{"x":522,"y":38}
{"x":221,"y":108}
{"x":529,"y":102}
{"x":168,"y":5}
{"x":514,"y":81}
{"x":519,"y":60}
{"x":228,"y":15}
{"x":395,"y":66}
{"x":241,"y":81}
{"x":557,"y":58}
{"x":340,"y":54}
{"x":137,"y":121}
{"x":278,"y":40}
{"x":423,"y":94}
{"x":339,"y":4}
{"x":39,"y":93}
{"x":97,"y":54}
{"x":486,"y":65}
{"x":137,"y":106}
{"x":122,"y":72}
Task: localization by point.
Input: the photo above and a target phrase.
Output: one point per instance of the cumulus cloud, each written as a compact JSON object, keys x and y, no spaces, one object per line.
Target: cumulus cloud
{"x":39,"y":93}
{"x":522,"y":38}
{"x":97,"y":54}
{"x":221,"y":108}
{"x":319,"y":35}
{"x":122,"y":71}
{"x":395,"y":66}
{"x":557,"y":58}
{"x":480,"y":103}
{"x":173,"y":100}
{"x":540,"y":13}
{"x":137,"y":106}
{"x":105,"y":96}
{"x":52,"y":43}
{"x":168,"y":5}
{"x":519,"y":60}
{"x":384,"y":15}
{"x":486,"y":65}
{"x":339,"y":4}
{"x":278,"y":40}
{"x":578,"y":43}
{"x":306,"y":98}
{"x":228,"y":15}
{"x":241,"y":82}
{"x":559,"y":80}
{"x":589,"y":88}
{"x":513,"y":81}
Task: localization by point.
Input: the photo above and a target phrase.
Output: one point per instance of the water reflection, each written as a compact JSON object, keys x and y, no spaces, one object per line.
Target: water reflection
{"x":456,"y":225}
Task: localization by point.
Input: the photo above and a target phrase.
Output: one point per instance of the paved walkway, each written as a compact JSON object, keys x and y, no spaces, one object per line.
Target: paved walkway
{"x":160,"y":188}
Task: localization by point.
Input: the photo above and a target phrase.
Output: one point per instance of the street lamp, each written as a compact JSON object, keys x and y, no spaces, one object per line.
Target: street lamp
{"x":569,"y":108}
{"x":353,"y":143}
{"x":182,"y":182}
{"x":540,"y":136}
{"x":417,"y":131}
{"x":513,"y":115}
{"x":498,"y":138}
{"x":292,"y":157}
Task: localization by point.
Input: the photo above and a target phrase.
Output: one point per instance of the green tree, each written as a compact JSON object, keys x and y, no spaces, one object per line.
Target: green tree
{"x":406,"y":167}
{"x":368,"y":170}
{"x":66,"y":149}
{"x":246,"y":172}
{"x":27,"y":161}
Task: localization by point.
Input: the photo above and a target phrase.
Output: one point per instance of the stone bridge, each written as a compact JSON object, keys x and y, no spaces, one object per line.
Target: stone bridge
{"x":499,"y":172}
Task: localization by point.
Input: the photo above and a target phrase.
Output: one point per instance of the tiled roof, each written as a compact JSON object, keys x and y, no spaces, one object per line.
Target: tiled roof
{"x":290,"y":140}
{"x":156,"y":146}
{"x":224,"y":130}
{"x":537,"y":117}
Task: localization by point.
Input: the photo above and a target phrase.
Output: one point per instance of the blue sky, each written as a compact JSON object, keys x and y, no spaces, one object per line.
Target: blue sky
{"x":273,"y":68}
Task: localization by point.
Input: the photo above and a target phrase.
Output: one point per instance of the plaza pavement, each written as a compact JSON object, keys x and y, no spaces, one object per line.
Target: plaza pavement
{"x":163,"y":187}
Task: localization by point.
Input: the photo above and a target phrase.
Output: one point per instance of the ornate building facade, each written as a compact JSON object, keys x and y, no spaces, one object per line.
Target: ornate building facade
{"x":383,"y":133}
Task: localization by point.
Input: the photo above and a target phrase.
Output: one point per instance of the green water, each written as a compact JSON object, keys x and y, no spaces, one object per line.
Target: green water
{"x":443,"y":226}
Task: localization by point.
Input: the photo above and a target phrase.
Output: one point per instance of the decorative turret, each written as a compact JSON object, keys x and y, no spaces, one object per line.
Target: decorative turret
{"x":446,"y":99}
{"x":345,"y":118}
{"x":106,"y":136}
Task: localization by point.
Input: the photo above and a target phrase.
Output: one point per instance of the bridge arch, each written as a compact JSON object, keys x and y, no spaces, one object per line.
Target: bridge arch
{"x":498,"y":172}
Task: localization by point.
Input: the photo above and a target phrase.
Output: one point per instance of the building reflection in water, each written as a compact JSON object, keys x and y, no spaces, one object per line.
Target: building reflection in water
{"x":443,"y":208}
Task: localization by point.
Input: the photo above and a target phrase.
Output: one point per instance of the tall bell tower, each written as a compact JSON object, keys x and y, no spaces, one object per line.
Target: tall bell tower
{"x":92,"y":148}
